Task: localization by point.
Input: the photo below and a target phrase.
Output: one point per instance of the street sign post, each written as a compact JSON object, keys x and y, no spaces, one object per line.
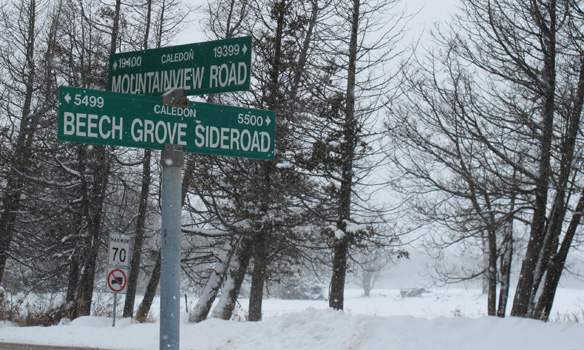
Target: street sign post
{"x":172,"y":161}
{"x":200,"y":68}
{"x":117,"y":119}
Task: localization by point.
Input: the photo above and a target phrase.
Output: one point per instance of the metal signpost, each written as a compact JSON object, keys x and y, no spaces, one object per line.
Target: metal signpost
{"x":200,"y":68}
{"x":109,"y":118}
{"x":172,"y":160}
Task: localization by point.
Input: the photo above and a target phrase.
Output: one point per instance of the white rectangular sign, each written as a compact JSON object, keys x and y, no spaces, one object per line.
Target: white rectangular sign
{"x":119,"y":250}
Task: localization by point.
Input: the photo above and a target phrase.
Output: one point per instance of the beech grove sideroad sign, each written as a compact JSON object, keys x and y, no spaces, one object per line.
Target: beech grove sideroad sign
{"x":118,"y":119}
{"x":199,"y":68}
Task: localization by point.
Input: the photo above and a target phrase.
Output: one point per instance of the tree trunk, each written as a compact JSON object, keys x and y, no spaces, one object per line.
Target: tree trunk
{"x":340,"y":251}
{"x":554,"y":259}
{"x":139,"y":236}
{"x":236,"y":274}
{"x":557,"y":263}
{"x":341,"y":245}
{"x":93,"y":193}
{"x":485,"y":258}
{"x":367,"y":281}
{"x":524,"y":293}
{"x":115,"y":27}
{"x":11,"y":204}
{"x":506,"y":259}
{"x":492,"y":274}
{"x":73,"y":281}
{"x":201,"y":310}
{"x":258,"y":279}
{"x":75,"y":260}
{"x":146,"y":304}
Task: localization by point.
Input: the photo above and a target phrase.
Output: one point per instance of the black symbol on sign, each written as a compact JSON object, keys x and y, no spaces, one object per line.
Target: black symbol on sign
{"x":117,"y":280}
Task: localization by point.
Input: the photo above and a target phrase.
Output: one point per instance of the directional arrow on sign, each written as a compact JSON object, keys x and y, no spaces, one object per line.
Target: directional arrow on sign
{"x":67,"y":98}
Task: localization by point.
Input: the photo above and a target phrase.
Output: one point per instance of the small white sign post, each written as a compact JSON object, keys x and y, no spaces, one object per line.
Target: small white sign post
{"x":118,"y":261}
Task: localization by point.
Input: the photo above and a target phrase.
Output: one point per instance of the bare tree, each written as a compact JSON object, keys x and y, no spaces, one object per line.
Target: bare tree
{"x":492,"y":142}
{"x":23,"y":109}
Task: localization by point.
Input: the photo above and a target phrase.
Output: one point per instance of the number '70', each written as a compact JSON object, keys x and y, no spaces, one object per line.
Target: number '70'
{"x":122,"y":256}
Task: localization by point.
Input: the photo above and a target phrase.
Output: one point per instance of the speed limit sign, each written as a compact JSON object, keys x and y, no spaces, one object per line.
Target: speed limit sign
{"x":119,"y":250}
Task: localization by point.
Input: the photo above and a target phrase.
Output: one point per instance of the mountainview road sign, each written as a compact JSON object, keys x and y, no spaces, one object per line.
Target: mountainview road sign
{"x":117,"y":119}
{"x":200,"y":68}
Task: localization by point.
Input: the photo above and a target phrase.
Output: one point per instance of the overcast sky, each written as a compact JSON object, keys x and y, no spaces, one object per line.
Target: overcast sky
{"x":430,"y":12}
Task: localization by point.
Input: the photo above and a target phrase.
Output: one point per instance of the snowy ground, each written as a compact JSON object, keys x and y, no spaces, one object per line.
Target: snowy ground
{"x":450,"y":319}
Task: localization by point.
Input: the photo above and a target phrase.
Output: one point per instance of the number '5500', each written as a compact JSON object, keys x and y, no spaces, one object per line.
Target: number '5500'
{"x":250,"y":119}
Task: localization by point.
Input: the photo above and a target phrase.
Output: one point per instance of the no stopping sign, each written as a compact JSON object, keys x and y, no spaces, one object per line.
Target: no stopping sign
{"x":117,"y":280}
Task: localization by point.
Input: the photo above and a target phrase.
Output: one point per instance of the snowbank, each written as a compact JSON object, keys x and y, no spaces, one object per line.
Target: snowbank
{"x":383,"y":321}
{"x":316,"y":329}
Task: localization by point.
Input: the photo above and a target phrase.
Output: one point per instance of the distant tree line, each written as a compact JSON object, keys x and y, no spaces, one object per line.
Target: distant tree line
{"x":477,"y":137}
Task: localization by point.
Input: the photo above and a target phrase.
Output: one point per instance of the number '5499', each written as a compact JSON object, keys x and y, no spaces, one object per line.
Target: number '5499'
{"x":86,"y":100}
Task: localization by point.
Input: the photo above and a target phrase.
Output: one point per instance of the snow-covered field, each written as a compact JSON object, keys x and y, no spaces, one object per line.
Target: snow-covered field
{"x":450,"y":319}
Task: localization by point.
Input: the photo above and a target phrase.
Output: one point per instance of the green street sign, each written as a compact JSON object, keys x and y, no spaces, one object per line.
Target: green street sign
{"x":111,"y":118}
{"x":200,"y":68}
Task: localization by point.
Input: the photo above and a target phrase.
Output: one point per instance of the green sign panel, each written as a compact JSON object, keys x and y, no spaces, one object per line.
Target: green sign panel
{"x":201,"y":68}
{"x":110,"y":118}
